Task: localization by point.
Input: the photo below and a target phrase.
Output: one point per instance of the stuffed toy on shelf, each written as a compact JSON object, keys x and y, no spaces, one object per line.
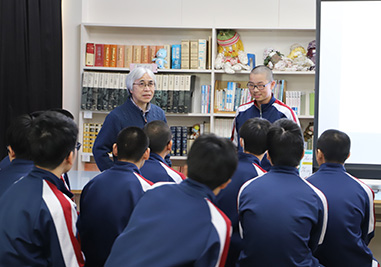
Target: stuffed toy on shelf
{"x":299,"y":57}
{"x":275,"y":60}
{"x":160,"y":58}
{"x":231,"y":56}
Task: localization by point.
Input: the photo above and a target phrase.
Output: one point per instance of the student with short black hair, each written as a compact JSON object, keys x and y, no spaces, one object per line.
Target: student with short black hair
{"x":282,"y":216}
{"x":18,"y":152}
{"x":155,"y":168}
{"x":178,"y":224}
{"x":108,"y":200}
{"x":351,"y":220}
{"x":253,"y":136}
{"x":37,"y":216}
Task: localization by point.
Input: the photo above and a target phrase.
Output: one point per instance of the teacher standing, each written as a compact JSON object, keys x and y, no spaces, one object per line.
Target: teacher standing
{"x":136,"y":111}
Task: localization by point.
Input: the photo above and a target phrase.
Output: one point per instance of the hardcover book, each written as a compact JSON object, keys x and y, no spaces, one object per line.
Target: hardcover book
{"x":202,"y":56}
{"x":98,"y":55}
{"x":151,"y":53}
{"x":194,"y":54}
{"x":128,"y":54}
{"x":113,"y":57}
{"x":120,"y":56}
{"x":181,"y":91}
{"x":168,"y":57}
{"x":175,"y":104}
{"x":85,"y":77}
{"x":164,"y":93}
{"x":170,"y":94}
{"x":106,"y":55}
{"x":189,"y":84}
{"x":90,"y":90}
{"x":185,"y":54}
{"x":137,"y":54}
{"x":90,"y":54}
{"x":176,"y":56}
{"x":145,"y":54}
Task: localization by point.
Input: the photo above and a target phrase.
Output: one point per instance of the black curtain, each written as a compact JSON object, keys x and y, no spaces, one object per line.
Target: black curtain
{"x":30,"y":59}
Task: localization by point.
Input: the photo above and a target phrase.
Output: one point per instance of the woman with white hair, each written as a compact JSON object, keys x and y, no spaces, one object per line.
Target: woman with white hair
{"x":136,"y":111}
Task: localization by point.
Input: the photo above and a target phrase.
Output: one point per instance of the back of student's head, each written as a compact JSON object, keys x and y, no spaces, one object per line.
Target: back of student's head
{"x":53,"y":136}
{"x":159,"y":135}
{"x":65,"y":112}
{"x":211,"y":160}
{"x":335,"y":145}
{"x":254,"y":134}
{"x":17,"y":136}
{"x":285,"y":143}
{"x":132,"y":142}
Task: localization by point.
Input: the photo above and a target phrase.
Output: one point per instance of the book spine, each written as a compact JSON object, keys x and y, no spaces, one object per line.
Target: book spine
{"x":106,"y":55}
{"x":137,"y":54}
{"x":178,"y":141}
{"x":90,"y":54}
{"x":120,"y":56}
{"x":158,"y":91}
{"x":176,"y":58}
{"x":181,"y":91}
{"x":85,"y":78}
{"x":86,"y":138}
{"x":176,"y":96}
{"x":194,"y":54}
{"x":164,"y":93}
{"x":151,"y":53}
{"x":189,"y":80}
{"x":145,"y":54}
{"x":184,"y":140}
{"x":173,"y":130}
{"x":209,"y":52}
{"x":170,"y":93}
{"x":128,"y":55}
{"x":185,"y":54}
{"x":94,"y":98}
{"x":98,"y":55}
{"x":100,"y":91}
{"x":202,"y":57}
{"x":114,"y":54}
{"x":90,"y":91}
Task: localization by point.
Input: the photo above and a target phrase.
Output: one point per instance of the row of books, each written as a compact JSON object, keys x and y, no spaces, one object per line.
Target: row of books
{"x":231,"y":97}
{"x":174,"y":93}
{"x":303,"y":103}
{"x":223,"y":127}
{"x":103,"y":91}
{"x":90,"y":132}
{"x":279,"y":90}
{"x":190,"y":54}
{"x":205,"y":98}
{"x":180,"y":140}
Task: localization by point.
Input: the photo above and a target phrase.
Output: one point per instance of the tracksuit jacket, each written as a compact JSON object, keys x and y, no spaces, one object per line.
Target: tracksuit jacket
{"x":174,"y":225}
{"x":121,"y":117}
{"x":283,"y":219}
{"x":248,"y":168}
{"x":13,"y":172}
{"x":272,"y":111}
{"x":351,"y":219}
{"x":107,"y":202}
{"x":156,"y":170}
{"x":38,"y":223}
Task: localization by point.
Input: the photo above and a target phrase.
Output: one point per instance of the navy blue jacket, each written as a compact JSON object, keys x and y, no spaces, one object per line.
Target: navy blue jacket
{"x":4,"y":162}
{"x":38,"y":223}
{"x":121,"y":117}
{"x":283,"y":218}
{"x":156,"y":170}
{"x":351,"y":219}
{"x":174,"y":225}
{"x":248,"y":167}
{"x":107,"y":202}
{"x":272,"y":111}
{"x":14,"y":171}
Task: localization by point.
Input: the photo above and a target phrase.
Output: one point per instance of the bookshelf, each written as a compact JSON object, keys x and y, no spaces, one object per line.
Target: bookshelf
{"x":255,"y":41}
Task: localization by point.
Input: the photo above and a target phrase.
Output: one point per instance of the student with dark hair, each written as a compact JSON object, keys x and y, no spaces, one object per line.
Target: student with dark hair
{"x":351,"y":218}
{"x":37,"y":217}
{"x":108,"y":200}
{"x":282,"y":216}
{"x":178,"y":224}
{"x":155,"y":168}
{"x":18,"y":152}
{"x":253,"y":136}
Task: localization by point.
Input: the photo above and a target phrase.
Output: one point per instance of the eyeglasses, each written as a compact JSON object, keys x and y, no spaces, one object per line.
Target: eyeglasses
{"x":78,"y":146}
{"x":143,"y":84}
{"x":252,"y":86}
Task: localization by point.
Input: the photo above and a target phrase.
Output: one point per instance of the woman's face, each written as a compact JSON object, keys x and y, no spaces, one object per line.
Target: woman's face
{"x":143,"y":90}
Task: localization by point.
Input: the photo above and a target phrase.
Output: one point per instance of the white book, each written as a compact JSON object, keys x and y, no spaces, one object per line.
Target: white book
{"x":202,"y":54}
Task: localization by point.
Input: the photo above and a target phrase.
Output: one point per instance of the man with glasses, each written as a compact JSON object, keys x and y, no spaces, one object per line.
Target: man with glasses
{"x":136,"y":111}
{"x":264,"y":105}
